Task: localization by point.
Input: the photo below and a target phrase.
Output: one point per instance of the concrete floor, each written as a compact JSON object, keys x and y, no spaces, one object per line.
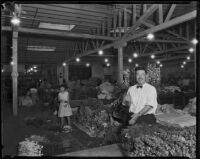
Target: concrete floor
{"x":14,"y":130}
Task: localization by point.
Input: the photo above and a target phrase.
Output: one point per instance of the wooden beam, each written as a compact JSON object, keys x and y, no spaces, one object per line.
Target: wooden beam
{"x":58,"y":33}
{"x":187,"y":31}
{"x":165,"y":25}
{"x":147,"y":24}
{"x":103,"y":31}
{"x":144,"y":8}
{"x":114,"y":24}
{"x":145,"y":48}
{"x":173,"y":58}
{"x":160,"y":11}
{"x":176,"y":35}
{"x":165,"y":51}
{"x":125,"y":20}
{"x":158,"y":45}
{"x":120,"y":24}
{"x":142,"y":18}
{"x":159,"y":27}
{"x":162,"y":41}
{"x":171,"y":10}
{"x":134,"y":14}
{"x":108,"y":28}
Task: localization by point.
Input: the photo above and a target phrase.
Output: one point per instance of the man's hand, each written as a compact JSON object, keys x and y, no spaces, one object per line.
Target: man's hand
{"x":133,"y":119}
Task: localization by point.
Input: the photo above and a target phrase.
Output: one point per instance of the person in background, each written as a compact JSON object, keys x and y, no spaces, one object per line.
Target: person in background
{"x":65,"y":110}
{"x":142,"y":99}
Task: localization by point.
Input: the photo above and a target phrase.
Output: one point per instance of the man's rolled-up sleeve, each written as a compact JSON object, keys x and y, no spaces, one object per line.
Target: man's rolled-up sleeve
{"x":152,"y":98}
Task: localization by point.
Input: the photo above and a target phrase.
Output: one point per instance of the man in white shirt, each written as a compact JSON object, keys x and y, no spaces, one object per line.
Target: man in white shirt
{"x":142,"y":100}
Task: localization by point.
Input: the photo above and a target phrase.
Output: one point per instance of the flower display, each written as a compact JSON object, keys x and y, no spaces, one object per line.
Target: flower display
{"x":30,"y":148}
{"x":158,"y":140}
{"x":153,"y":72}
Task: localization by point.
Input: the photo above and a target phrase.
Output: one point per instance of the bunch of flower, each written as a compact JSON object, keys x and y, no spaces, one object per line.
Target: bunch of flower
{"x":160,"y":141}
{"x":30,"y":148}
{"x":153,"y":72}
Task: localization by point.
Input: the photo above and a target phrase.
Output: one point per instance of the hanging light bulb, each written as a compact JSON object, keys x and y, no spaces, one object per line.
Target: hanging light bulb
{"x":152,"y":56}
{"x":107,"y":64}
{"x":2,"y":70}
{"x":15,"y":21}
{"x":184,"y":62}
{"x":135,"y":55}
{"x":158,"y":62}
{"x":87,"y":65}
{"x":161,"y":65}
{"x":64,"y":64}
{"x":129,"y":60}
{"x":188,"y":58}
{"x":136,"y":65}
{"x":182,"y":66}
{"x":100,"y":52}
{"x":150,"y":36}
{"x":34,"y":66}
{"x":194,"y":41}
{"x":106,"y":60}
{"x":191,"y":50}
{"x":12,"y":63}
{"x":77,"y":59}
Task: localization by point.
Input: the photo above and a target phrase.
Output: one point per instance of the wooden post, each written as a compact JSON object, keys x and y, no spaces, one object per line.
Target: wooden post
{"x":120,"y":64}
{"x":103,"y":33}
{"x":66,"y":72}
{"x":108,"y":28}
{"x":134,"y":14}
{"x":120,"y":24}
{"x":125,"y":20}
{"x":14,"y":69}
{"x":195,"y":57}
{"x":114,"y":25}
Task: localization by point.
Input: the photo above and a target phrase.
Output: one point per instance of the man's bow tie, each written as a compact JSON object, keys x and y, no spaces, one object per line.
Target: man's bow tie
{"x":139,"y":86}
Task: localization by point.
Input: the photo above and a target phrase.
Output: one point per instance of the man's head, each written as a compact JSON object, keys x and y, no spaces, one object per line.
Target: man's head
{"x":140,"y":75}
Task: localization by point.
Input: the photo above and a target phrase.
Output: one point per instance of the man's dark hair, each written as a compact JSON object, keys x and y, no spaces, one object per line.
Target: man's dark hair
{"x":140,"y":68}
{"x":64,"y":85}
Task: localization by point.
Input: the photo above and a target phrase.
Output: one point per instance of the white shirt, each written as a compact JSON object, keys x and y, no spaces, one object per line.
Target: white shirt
{"x":140,"y":97}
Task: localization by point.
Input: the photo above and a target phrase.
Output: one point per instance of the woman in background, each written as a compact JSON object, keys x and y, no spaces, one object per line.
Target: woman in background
{"x":64,"y":108}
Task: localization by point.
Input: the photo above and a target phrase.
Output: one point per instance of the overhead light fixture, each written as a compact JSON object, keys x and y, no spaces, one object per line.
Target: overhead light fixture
{"x":135,"y":55}
{"x":194,"y":41}
{"x":15,"y":21}
{"x":107,"y":64}
{"x":152,"y":56}
{"x":150,"y":36}
{"x":87,"y":65}
{"x":191,"y":50}
{"x":34,"y":66}
{"x":56,"y":26}
{"x":77,"y":59}
{"x":122,"y":30}
{"x":188,"y":58}
{"x":106,"y":60}
{"x":64,"y":64}
{"x":158,"y":62}
{"x":2,"y":70}
{"x":31,"y":69}
{"x":184,"y":62}
{"x":161,"y":65}
{"x":136,"y":65}
{"x":100,"y":52}
{"x":40,"y":48}
{"x":12,"y":63}
{"x":182,"y":66}
{"x":129,"y":60}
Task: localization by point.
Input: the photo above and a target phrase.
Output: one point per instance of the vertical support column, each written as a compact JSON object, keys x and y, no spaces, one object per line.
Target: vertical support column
{"x":125,"y":20}
{"x":114,"y":24}
{"x":108,"y":28}
{"x":120,"y":24}
{"x":195,"y":53}
{"x":14,"y":70}
{"x":66,"y":72}
{"x":120,"y":65}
